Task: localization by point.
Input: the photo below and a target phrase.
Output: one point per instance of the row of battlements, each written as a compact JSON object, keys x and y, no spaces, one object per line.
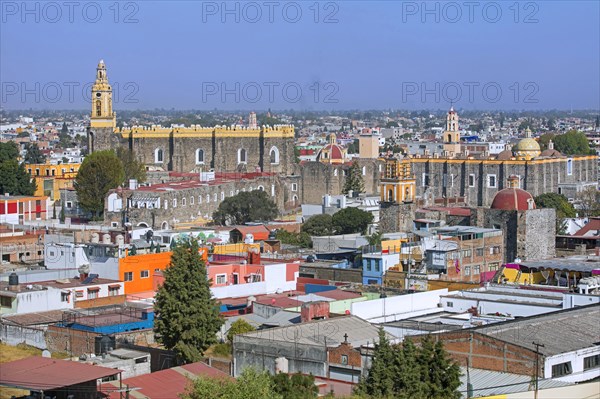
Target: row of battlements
{"x":201,"y":129}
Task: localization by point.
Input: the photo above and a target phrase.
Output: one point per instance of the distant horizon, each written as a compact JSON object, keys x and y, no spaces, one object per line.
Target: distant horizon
{"x":320,"y":111}
{"x":317,"y":56}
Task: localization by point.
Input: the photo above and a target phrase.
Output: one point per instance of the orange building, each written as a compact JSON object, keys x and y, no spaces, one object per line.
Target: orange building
{"x":137,"y":271}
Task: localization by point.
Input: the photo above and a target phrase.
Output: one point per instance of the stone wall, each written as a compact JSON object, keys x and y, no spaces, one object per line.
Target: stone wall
{"x":528,"y":235}
{"x":451,"y":178}
{"x":203,"y":200}
{"x":396,"y":217}
{"x":320,"y":178}
{"x":221,"y":150}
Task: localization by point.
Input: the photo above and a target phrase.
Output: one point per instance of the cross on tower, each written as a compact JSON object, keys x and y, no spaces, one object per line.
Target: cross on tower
{"x":346,"y":338}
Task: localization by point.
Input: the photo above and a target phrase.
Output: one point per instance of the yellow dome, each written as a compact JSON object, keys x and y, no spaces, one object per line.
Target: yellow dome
{"x":528,"y":144}
{"x":527,"y":149}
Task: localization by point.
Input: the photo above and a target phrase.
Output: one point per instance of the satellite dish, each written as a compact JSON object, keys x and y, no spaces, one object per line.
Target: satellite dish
{"x":84,"y":269}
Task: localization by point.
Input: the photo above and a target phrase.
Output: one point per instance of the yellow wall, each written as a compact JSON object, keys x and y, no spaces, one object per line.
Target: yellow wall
{"x":234,"y":248}
{"x":59,"y":176}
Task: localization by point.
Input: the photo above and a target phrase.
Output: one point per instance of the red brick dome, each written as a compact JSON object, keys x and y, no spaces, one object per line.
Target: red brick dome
{"x":513,"y":199}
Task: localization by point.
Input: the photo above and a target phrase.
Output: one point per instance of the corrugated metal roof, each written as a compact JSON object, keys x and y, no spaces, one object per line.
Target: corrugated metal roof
{"x":489,"y":383}
{"x":168,"y":383}
{"x":559,"y":332}
{"x":41,"y":373}
{"x":321,"y":332}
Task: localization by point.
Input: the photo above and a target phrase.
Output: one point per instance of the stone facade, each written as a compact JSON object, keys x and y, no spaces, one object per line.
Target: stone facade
{"x":318,"y":179}
{"x":396,"y":217}
{"x":222,"y":149}
{"x":165,"y":205}
{"x":528,"y":235}
{"x":479,"y":180}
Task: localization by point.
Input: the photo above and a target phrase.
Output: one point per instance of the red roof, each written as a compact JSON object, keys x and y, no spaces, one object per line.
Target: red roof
{"x":592,"y":226}
{"x":259,"y":232}
{"x":511,"y":199}
{"x":168,"y":383}
{"x":42,"y":373}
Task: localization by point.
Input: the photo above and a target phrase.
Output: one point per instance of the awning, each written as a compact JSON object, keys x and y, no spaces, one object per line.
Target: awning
{"x":114,"y":286}
{"x":94,"y":289}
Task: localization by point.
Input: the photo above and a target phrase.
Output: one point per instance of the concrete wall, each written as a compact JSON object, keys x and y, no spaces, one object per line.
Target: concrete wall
{"x":393,"y":308}
{"x":262,"y":352}
{"x":576,"y":358}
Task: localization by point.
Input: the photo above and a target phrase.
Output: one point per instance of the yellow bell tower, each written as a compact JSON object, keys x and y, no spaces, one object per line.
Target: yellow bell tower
{"x":451,"y":136}
{"x":102,"y":113}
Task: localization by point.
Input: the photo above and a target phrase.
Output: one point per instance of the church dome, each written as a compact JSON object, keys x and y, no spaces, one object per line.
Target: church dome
{"x":528,"y":144}
{"x":513,"y":198}
{"x":332,"y":152}
{"x":527,"y":148}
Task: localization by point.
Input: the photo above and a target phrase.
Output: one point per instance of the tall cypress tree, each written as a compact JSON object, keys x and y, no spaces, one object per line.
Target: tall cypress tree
{"x":354,"y":180}
{"x":380,"y":381}
{"x":187,"y":315}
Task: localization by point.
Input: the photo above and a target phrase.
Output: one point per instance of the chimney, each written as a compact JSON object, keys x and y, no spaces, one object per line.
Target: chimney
{"x":318,"y":310}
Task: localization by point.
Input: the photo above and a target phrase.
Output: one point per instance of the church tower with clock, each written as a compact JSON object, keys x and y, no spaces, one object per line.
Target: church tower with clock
{"x":102,"y":119}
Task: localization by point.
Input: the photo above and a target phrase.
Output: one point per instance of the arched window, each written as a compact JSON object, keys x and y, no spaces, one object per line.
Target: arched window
{"x":164,"y":226}
{"x":191,"y":200}
{"x":274,"y":155}
{"x":335,"y":172}
{"x":207,"y":198}
{"x":183,"y":201}
{"x":98,"y":108}
{"x":199,"y":156}
{"x":158,"y":155}
{"x":364,"y":170}
{"x":242,"y":156}
{"x":391,"y":195}
{"x":200,"y":199}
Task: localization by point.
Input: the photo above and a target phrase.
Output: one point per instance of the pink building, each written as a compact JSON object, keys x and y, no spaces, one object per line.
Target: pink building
{"x":240,"y":280}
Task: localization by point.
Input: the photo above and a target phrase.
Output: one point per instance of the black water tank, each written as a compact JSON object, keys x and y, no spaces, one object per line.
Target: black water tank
{"x":13,"y":279}
{"x":103,"y":344}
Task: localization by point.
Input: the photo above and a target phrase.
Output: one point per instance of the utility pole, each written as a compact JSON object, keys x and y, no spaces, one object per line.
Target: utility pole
{"x":537,"y":366}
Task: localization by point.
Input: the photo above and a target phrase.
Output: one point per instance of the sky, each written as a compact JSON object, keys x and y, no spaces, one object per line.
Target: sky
{"x":302,"y":55}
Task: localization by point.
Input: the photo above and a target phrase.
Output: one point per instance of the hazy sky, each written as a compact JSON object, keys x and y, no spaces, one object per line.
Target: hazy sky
{"x":303,"y":55}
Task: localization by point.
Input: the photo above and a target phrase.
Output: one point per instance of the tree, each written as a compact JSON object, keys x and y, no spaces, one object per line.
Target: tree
{"x":132,"y":168}
{"x":240,"y":326}
{"x":301,"y":239}
{"x":354,"y":180}
{"x":295,"y":386}
{"x":380,"y":380}
{"x":354,"y":147}
{"x":588,"y":201}
{"x":14,"y":179}
{"x":351,"y":220}
{"x":99,"y":172}
{"x":572,"y":143}
{"x":318,"y":225}
{"x":188,"y":316}
{"x":545,"y":140}
{"x":245,"y":207}
{"x":564,"y":209}
{"x":33,"y":154}
{"x":406,"y":371}
{"x":251,"y":384}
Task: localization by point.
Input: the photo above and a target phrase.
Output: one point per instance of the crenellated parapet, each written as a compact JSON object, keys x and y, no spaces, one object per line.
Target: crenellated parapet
{"x":198,"y":131}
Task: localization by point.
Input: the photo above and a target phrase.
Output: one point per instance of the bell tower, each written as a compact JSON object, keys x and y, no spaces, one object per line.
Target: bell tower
{"x":451,"y":135}
{"x":102,"y":118}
